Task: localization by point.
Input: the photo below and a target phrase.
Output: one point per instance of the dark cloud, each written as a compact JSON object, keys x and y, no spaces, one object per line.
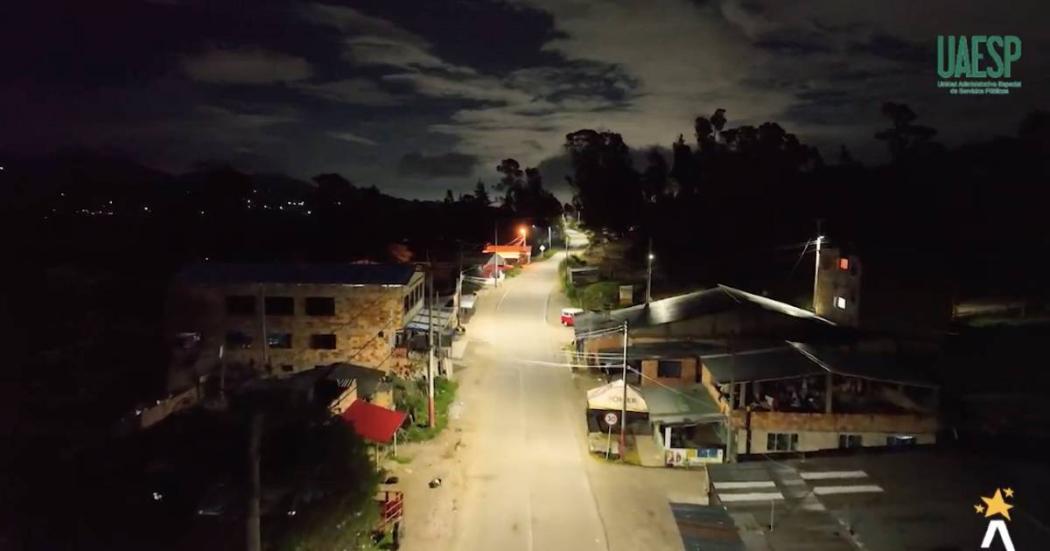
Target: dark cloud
{"x":447,"y":165}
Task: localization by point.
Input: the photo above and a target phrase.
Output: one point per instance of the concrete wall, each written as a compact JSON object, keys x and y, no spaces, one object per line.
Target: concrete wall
{"x":366,"y":321}
{"x":834,"y":282}
{"x":650,"y":373}
{"x":809,"y":441}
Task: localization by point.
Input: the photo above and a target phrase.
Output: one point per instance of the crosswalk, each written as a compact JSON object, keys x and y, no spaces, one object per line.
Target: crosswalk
{"x":774,"y":482}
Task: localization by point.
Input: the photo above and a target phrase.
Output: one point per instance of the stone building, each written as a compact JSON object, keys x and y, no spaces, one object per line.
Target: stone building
{"x":272,"y":319}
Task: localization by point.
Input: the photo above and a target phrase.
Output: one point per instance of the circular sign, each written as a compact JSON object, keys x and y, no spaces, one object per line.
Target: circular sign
{"x":610,"y":418}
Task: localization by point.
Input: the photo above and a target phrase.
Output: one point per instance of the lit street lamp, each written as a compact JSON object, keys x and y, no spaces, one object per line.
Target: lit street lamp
{"x":649,"y":281}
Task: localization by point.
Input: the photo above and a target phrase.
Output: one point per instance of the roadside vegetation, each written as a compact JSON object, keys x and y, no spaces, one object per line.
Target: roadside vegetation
{"x":412,"y":397}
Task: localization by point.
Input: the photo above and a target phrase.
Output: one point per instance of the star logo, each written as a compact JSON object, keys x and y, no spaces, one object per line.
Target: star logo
{"x":996,"y":505}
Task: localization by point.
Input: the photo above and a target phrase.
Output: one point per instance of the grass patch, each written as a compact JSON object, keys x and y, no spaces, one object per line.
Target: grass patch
{"x":402,"y":459}
{"x":547,"y":254}
{"x":513,"y":272}
{"x":604,"y":295}
{"x":413,"y":398}
{"x":567,"y":287}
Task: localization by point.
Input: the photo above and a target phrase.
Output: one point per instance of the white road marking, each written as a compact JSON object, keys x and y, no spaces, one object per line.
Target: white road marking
{"x":740,"y":485}
{"x":500,"y":303}
{"x":753,"y":496}
{"x":860,"y":489}
{"x":824,"y":475}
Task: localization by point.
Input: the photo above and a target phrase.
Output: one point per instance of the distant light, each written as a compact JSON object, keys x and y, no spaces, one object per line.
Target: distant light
{"x":157,"y":496}
{"x":309,"y":212}
{"x":145,"y":208}
{"x":543,"y":248}
{"x":202,"y":213}
{"x":522,"y":231}
{"x":651,"y":257}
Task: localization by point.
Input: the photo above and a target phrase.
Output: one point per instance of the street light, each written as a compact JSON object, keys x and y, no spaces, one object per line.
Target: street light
{"x":522,"y":231}
{"x":649,"y":281}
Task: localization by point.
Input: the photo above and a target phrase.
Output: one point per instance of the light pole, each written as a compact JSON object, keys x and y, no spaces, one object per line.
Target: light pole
{"x":649,"y":281}
{"x":816,"y":272}
{"x":623,"y":413}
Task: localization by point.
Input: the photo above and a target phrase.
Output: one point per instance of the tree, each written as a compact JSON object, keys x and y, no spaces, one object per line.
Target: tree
{"x":481,"y":195}
{"x":604,"y":179}
{"x":683,"y":167}
{"x":510,"y":183}
{"x":654,"y":179}
{"x":904,"y":138}
{"x":449,"y":198}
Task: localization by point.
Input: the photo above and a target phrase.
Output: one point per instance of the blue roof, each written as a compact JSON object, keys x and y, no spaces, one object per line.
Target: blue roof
{"x":215,"y":273}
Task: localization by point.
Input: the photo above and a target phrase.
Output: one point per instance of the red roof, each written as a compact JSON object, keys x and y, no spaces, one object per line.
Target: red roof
{"x":506,"y":249}
{"x":372,"y":422}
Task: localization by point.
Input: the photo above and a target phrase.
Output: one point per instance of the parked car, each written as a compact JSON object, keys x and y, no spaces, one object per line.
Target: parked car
{"x":568,"y":316}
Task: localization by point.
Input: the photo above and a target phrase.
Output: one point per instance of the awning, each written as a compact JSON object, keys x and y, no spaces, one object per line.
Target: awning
{"x":610,"y":397}
{"x":374,"y":423}
{"x":680,"y":405}
{"x":421,"y":321}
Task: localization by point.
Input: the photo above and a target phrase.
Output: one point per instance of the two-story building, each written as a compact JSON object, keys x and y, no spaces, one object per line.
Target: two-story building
{"x":794,"y":397}
{"x":274,"y":319}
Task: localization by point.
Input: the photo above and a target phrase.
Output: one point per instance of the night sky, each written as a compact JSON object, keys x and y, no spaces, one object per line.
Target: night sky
{"x":417,"y":97}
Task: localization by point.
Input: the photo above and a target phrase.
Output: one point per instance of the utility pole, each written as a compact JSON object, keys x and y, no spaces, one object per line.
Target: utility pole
{"x":550,"y":239}
{"x":816,"y":266}
{"x":649,"y":275}
{"x":623,"y":413}
{"x":432,"y":420}
{"x":254,"y":538}
{"x":265,"y":334}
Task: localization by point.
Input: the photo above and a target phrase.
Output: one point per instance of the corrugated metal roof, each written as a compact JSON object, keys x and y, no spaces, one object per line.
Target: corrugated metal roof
{"x":669,"y":349}
{"x":878,"y":366}
{"x":783,"y":362}
{"x":706,"y":528}
{"x":217,"y":273}
{"x":678,"y":405}
{"x":690,"y":305}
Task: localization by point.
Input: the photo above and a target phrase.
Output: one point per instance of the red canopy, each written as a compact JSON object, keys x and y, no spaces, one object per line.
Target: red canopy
{"x":372,"y":422}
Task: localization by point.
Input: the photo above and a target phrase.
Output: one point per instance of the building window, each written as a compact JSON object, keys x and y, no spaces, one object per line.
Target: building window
{"x":850,"y":441}
{"x":670,"y":369}
{"x":781,"y":442}
{"x":840,"y":303}
{"x":324,"y":341}
{"x":844,"y":264}
{"x":899,"y":440}
{"x":238,"y":340}
{"x":320,"y":306}
{"x":240,"y":305}
{"x":279,"y":340}
{"x":280,"y":306}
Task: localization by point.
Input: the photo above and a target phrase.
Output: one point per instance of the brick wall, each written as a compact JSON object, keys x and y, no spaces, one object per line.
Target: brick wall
{"x":365,"y":324}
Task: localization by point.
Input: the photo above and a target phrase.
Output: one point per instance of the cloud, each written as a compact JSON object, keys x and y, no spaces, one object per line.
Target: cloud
{"x":354,"y":138}
{"x":375,"y":41}
{"x":355,"y":91}
{"x":246,"y":66}
{"x":447,"y":165}
{"x":469,"y":88}
{"x":248,"y":119}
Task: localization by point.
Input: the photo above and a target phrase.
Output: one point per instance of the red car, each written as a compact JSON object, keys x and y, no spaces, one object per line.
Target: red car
{"x":568,"y":316}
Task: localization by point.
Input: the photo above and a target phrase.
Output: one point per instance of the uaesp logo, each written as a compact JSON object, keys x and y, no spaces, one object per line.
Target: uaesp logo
{"x":977,"y":64}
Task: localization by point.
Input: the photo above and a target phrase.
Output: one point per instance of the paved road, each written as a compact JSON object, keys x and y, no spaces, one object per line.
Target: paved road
{"x":515,"y":470}
{"x":525,"y":484}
